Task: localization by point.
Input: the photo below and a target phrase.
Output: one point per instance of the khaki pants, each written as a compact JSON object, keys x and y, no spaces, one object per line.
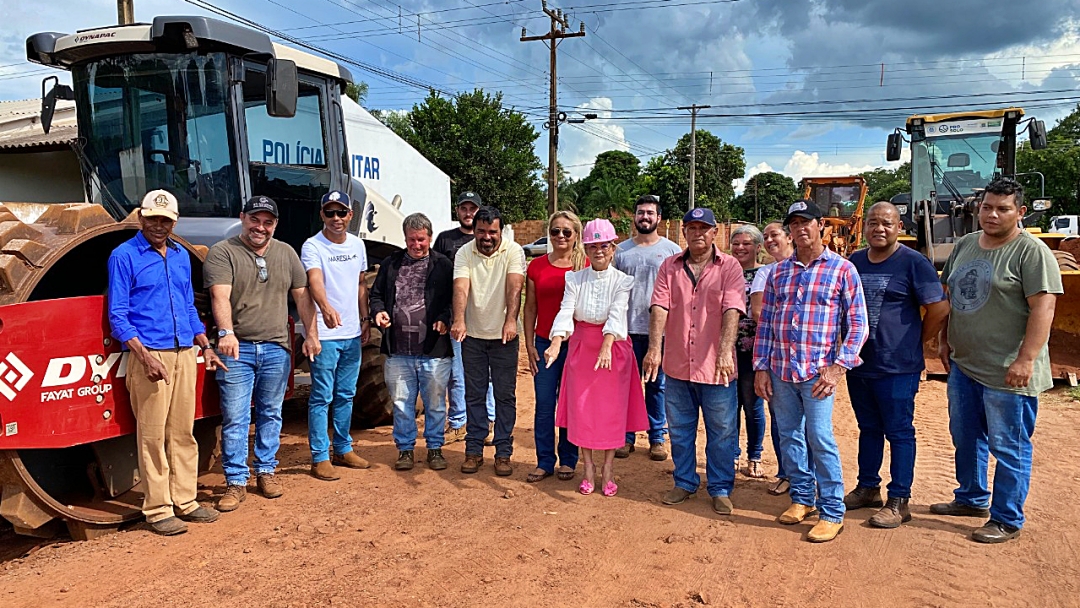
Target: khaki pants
{"x":168,"y":453}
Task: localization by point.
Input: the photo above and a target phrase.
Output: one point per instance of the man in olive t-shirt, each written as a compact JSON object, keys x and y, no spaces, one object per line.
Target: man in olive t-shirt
{"x":1002,"y":286}
{"x":250,"y":277}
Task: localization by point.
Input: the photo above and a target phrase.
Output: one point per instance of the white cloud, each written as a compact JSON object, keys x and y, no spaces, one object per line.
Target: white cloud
{"x":802,"y":165}
{"x":740,"y":184}
{"x":579,"y":144}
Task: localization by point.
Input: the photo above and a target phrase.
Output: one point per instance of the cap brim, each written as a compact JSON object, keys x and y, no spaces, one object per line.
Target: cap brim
{"x":172,"y":215}
{"x":804,"y":214}
{"x":254,"y":211}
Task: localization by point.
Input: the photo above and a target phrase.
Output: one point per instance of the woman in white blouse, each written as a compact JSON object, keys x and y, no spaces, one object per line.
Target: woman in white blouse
{"x":601,"y":398}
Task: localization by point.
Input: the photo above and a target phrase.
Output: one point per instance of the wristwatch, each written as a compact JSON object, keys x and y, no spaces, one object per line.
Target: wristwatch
{"x":224,"y":332}
{"x":367,"y":319}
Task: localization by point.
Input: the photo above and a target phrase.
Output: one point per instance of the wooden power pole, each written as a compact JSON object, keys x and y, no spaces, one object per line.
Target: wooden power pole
{"x":125,"y":12}
{"x":693,"y":146}
{"x":558,"y":31}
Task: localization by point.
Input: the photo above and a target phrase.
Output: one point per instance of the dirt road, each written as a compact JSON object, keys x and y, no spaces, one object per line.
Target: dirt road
{"x":445,"y":539}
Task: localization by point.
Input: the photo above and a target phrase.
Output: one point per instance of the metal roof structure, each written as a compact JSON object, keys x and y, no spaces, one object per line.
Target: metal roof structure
{"x":20,"y":126}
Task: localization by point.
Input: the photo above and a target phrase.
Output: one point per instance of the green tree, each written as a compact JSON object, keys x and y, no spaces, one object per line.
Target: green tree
{"x":1059,"y":163}
{"x":718,"y":165}
{"x":482,"y":146}
{"x":605,"y":197}
{"x":883,"y":184}
{"x":766,"y":196}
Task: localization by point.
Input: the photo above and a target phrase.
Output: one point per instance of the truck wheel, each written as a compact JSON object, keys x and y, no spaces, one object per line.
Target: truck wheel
{"x":1066,"y":260}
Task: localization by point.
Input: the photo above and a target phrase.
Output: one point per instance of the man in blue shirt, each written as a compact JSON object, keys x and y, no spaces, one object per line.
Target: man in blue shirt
{"x":897,"y":281}
{"x":152,"y":312}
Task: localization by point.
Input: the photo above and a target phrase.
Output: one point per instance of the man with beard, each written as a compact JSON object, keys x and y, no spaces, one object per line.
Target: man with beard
{"x":250,"y":277}
{"x":489,"y":274}
{"x":640,"y":258}
{"x":447,"y":243}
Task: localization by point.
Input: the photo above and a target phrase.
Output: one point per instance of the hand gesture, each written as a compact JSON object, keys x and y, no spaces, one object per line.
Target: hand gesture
{"x":509,"y":331}
{"x":725,"y":368}
{"x":552,"y":353}
{"x":312,"y":347}
{"x":213,"y":362}
{"x":382,"y":319}
{"x":603,"y":360}
{"x":457,"y":331}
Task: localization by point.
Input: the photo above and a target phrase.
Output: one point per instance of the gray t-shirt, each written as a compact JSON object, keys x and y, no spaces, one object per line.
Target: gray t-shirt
{"x":642,"y":262}
{"x":988,"y":291}
{"x":410,"y":310}
{"x":260,"y":308}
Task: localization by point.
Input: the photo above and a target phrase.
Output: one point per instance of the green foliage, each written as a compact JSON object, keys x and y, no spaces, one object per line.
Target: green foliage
{"x":610,"y":187}
{"x":718,"y":164}
{"x":1059,"y":163}
{"x":482,"y":146}
{"x":769,"y":193}
{"x":883,"y":184}
{"x":357,"y":91}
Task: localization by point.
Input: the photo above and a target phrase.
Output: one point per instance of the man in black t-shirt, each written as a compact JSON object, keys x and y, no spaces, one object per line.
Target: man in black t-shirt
{"x":449,"y":241}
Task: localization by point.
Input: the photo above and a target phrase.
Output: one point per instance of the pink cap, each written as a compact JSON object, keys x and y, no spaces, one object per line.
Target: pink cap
{"x":598,"y":231}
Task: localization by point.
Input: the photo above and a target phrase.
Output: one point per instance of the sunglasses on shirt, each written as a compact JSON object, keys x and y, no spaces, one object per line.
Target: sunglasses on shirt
{"x":335,"y":212}
{"x":565,"y":232}
{"x":264,"y":274}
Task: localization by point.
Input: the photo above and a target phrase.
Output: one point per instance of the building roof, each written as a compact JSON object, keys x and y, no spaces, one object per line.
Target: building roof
{"x":20,"y":126}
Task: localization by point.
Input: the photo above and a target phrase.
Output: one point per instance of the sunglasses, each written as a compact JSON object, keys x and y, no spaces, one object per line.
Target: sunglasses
{"x":335,"y":212}
{"x":565,"y":232}
{"x":264,"y":274}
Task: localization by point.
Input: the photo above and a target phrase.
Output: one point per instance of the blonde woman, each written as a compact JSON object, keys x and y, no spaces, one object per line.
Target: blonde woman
{"x":545,"y":282}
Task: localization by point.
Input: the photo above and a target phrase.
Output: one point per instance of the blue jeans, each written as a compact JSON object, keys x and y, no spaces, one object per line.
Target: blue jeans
{"x":984,"y":420}
{"x":753,"y":408}
{"x":409,"y":376}
{"x":333,"y":385}
{"x":261,"y":374}
{"x":456,"y":408}
{"x":654,"y":395}
{"x":805,"y":424}
{"x":885,"y":409}
{"x":720,"y":411}
{"x":546,"y":385}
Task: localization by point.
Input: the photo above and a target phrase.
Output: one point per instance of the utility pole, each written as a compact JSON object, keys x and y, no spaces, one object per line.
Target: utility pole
{"x":558,"y":31}
{"x":693,"y":146}
{"x":125,"y":12}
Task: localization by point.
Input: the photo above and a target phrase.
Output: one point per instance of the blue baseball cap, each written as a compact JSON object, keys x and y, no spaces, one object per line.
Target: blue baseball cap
{"x":337,"y":196}
{"x":701,"y":214}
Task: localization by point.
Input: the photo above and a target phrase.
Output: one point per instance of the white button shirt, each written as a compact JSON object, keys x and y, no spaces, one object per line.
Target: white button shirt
{"x":594,"y":297}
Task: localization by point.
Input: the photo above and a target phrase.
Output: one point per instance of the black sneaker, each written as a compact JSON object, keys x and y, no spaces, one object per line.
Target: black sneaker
{"x":202,"y":515}
{"x":435,"y":459}
{"x":405,"y":461}
{"x":170,"y":526}
{"x":995,"y":532}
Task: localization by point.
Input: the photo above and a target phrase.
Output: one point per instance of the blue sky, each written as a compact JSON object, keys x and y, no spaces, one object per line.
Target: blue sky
{"x":806,"y":87}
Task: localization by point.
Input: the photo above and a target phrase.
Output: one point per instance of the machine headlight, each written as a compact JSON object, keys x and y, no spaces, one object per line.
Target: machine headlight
{"x":903,"y":209}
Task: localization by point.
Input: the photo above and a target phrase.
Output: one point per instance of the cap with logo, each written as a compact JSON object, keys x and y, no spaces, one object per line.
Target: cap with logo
{"x":261,"y":203}
{"x":701,"y":214}
{"x":469,"y":197}
{"x":802,"y":208}
{"x":337,"y":196}
{"x":598,"y":231}
{"x":160,"y":202}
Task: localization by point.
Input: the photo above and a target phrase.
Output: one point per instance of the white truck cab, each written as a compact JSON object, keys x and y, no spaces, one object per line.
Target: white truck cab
{"x":1065,"y":224}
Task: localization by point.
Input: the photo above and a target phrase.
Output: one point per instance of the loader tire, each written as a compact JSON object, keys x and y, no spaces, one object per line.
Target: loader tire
{"x":372,"y":405}
{"x":1066,"y":261}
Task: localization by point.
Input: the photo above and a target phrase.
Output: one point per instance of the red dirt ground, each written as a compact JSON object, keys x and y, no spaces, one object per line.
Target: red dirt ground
{"x":425,"y":538}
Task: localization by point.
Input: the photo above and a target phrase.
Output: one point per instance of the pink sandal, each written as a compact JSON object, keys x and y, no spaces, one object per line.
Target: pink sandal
{"x":610,"y":489}
{"x":586,"y":487}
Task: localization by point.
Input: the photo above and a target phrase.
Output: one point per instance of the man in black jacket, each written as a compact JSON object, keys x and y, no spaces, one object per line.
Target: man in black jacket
{"x":411,"y":302}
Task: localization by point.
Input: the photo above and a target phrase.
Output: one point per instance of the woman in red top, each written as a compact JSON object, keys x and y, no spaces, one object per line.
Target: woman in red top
{"x":545,"y":281}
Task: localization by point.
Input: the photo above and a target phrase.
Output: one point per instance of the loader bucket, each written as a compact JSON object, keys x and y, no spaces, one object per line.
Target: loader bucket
{"x":1065,"y":332}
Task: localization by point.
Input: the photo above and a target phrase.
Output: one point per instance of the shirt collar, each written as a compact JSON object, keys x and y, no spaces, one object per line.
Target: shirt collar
{"x":502,"y":247}
{"x":826,"y":253}
{"x":144,"y":245}
{"x":716,"y":254}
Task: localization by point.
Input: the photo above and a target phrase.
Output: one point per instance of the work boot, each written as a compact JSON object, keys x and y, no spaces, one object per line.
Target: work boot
{"x":676,"y":496}
{"x":435,"y":459}
{"x":453,"y":435}
{"x":995,"y":532}
{"x":795,"y":514}
{"x":722,"y":505}
{"x":824,"y":531}
{"x":324,"y":470}
{"x":503,"y":468}
{"x":405,"y":461}
{"x":201,"y":515}
{"x":472,"y":463}
{"x":352,"y":460}
{"x":894,"y":513}
{"x":863,"y":497}
{"x":657,"y":452}
{"x":170,"y":526}
{"x":230,"y":501}
{"x":268,"y":485}
{"x":490,"y":439}
{"x":624,"y":451}
{"x":958,"y":509}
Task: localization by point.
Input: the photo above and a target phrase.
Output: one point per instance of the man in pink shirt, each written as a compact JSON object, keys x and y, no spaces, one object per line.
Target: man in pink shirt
{"x":697,"y":301}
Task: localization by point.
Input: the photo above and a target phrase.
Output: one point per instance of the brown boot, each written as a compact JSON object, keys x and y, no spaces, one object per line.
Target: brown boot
{"x":352,"y":460}
{"x":268,"y":485}
{"x":472,"y":463}
{"x":657,"y":452}
{"x":795,"y":514}
{"x":863,"y":497}
{"x":324,"y":470}
{"x":234,"y":495}
{"x":824,"y":531}
{"x":503,"y":468}
{"x":894,"y":513}
{"x":453,"y":435}
{"x":624,"y":451}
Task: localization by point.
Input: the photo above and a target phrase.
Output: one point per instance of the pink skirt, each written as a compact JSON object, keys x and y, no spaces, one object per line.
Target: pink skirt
{"x":598,"y":407}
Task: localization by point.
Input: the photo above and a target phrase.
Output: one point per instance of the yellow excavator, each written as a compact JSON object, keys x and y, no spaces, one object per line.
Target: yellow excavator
{"x":953,"y":157}
{"x":841,"y":199}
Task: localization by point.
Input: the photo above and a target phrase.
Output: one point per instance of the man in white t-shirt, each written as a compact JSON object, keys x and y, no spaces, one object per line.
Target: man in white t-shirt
{"x":335,"y":262}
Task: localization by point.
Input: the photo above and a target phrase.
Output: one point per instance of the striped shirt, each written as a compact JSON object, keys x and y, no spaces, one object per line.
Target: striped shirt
{"x":812,"y":316}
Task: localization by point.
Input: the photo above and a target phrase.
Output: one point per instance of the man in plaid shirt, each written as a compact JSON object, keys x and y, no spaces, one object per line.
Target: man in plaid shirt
{"x":813,"y":325}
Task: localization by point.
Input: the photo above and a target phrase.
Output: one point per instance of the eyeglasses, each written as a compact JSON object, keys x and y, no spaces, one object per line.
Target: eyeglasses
{"x":335,"y":212}
{"x":600,"y":246}
{"x":565,"y":232}
{"x":264,"y":274}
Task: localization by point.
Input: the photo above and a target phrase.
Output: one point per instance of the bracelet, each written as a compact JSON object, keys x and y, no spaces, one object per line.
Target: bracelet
{"x":206,"y":348}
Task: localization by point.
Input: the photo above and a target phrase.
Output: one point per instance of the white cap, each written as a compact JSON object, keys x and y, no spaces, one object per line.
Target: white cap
{"x":160,"y":202}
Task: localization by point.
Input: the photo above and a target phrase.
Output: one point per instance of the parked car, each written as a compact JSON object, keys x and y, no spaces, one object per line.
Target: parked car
{"x":537,"y":248}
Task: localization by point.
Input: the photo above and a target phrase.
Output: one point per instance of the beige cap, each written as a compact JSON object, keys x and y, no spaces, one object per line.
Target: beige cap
{"x":160,"y":202}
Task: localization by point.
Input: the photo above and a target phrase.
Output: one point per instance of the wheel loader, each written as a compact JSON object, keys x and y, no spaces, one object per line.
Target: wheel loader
{"x":953,"y":157}
{"x":215,"y":113}
{"x":841,"y":199}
